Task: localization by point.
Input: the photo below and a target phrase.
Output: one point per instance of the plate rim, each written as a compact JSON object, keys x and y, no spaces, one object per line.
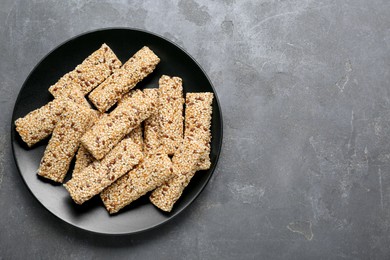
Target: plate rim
{"x":212,"y":169}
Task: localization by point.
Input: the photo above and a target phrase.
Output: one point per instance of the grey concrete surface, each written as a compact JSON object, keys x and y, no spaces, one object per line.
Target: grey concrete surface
{"x":305,"y":92}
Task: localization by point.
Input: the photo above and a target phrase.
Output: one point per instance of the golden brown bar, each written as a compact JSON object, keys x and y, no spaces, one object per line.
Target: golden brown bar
{"x":129,"y":114}
{"x":90,"y":73}
{"x":39,"y":124}
{"x":101,"y":174}
{"x":198,"y":122}
{"x":146,"y":176}
{"x":170,"y":113}
{"x":64,"y":142}
{"x":123,"y":80}
{"x":184,"y":164}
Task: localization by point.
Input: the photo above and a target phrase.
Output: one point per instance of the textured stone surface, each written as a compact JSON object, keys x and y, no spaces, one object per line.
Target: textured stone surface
{"x":305,"y":93}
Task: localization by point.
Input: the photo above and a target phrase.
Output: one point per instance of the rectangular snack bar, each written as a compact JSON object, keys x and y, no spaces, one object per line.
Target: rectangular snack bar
{"x":152,"y":140}
{"x":101,"y":174}
{"x":184,"y":164}
{"x":123,"y":80}
{"x":155,"y":170}
{"x":129,"y":114}
{"x":170,"y":113}
{"x":39,"y":124}
{"x":90,"y":73}
{"x":198,"y":121}
{"x":64,"y":142}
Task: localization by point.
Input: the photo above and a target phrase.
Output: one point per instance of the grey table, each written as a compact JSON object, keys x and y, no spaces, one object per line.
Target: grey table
{"x":305,"y":92}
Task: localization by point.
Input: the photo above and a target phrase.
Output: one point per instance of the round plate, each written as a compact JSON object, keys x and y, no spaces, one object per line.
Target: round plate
{"x":92,"y":216}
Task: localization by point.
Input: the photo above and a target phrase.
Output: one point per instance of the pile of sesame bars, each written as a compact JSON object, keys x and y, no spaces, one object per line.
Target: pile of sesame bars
{"x":135,"y":142}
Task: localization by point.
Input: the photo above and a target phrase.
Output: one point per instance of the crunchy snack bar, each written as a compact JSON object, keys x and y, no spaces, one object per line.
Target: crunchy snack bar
{"x":184,"y":164}
{"x":101,"y":174}
{"x":39,"y":124}
{"x":146,"y":176}
{"x":129,"y":114}
{"x":64,"y":142}
{"x":170,"y":113}
{"x":90,"y":73}
{"x":198,"y":121}
{"x":123,"y":80}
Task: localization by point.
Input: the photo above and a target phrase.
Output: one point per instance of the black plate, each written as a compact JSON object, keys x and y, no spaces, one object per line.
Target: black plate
{"x":92,"y":216}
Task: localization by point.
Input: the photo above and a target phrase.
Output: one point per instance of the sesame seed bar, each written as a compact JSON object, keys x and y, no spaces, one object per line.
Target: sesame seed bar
{"x":170,"y":113}
{"x":198,"y":122}
{"x":184,"y":164}
{"x":96,"y":68}
{"x":146,"y":176}
{"x":129,"y":114}
{"x":101,"y":174}
{"x":123,"y":80}
{"x":39,"y":124}
{"x":64,"y":142}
